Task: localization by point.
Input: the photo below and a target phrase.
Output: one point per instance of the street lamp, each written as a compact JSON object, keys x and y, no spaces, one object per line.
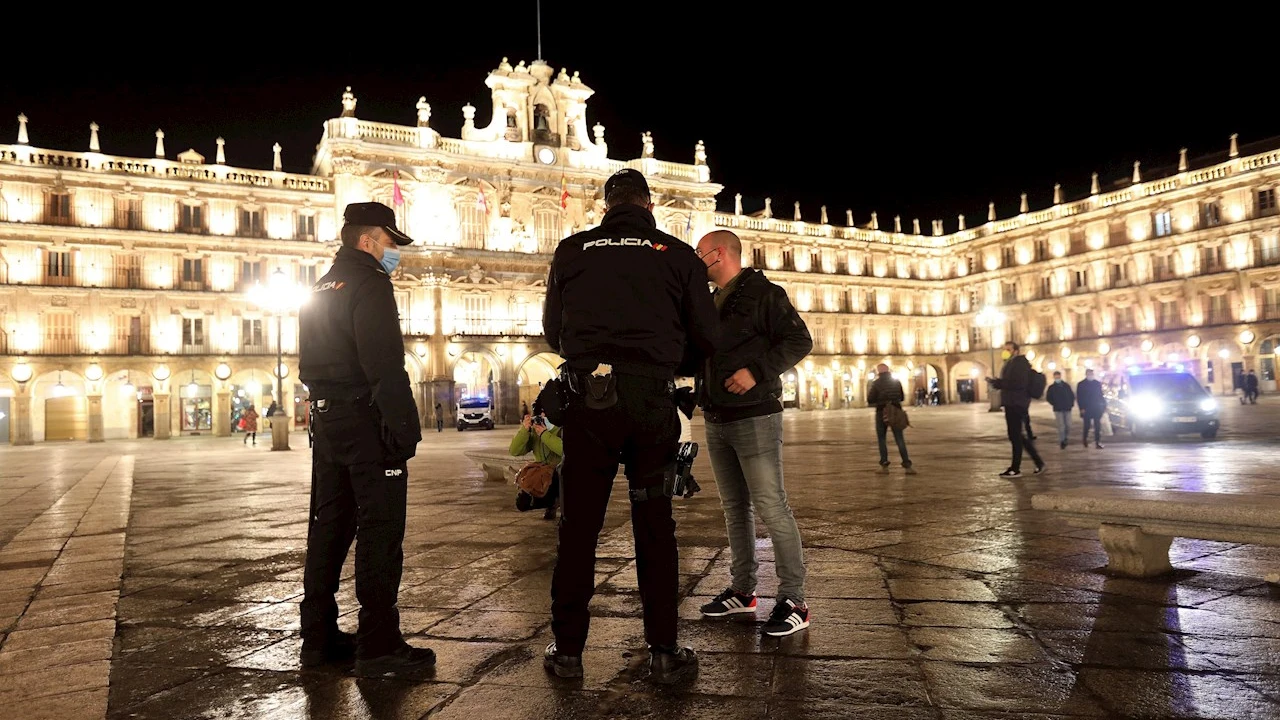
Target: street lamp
{"x":1224,"y":354}
{"x":989,"y":318}
{"x":280,"y":297}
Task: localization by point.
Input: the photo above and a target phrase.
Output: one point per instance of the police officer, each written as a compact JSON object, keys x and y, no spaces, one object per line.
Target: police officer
{"x":627,"y":305}
{"x":366,"y":427}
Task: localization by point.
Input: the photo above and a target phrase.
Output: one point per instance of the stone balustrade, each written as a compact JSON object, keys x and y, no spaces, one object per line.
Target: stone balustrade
{"x":159,"y":168}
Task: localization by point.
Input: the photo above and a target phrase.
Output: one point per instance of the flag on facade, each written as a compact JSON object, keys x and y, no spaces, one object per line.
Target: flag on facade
{"x":481,"y":202}
{"x":688,"y":226}
{"x":396,"y":197}
{"x":564,"y":193}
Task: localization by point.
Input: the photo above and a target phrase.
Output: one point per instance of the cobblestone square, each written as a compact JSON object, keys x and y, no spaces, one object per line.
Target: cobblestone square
{"x":160,"y":579}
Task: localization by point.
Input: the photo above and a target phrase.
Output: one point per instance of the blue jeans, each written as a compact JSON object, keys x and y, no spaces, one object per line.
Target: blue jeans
{"x":1064,"y":424}
{"x":746,"y":456}
{"x":882,"y":432}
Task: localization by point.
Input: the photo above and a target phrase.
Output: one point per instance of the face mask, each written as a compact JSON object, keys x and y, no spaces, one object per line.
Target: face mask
{"x":717,"y":262}
{"x":390,"y":259}
{"x":1006,"y":354}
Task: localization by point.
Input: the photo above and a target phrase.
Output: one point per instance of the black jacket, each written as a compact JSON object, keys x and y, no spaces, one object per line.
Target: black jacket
{"x":761,"y":331}
{"x":1060,"y":396}
{"x":628,"y":292}
{"x":1250,"y":382}
{"x":350,"y":347}
{"x":1013,"y":382}
{"x":1090,"y":398}
{"x":885,"y":390}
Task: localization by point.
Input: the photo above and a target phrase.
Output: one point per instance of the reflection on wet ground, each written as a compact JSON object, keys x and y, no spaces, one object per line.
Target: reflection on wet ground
{"x":938,"y":595}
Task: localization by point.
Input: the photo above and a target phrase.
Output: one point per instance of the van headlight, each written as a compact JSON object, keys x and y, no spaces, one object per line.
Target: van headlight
{"x":1208,"y":405}
{"x":1146,"y":407}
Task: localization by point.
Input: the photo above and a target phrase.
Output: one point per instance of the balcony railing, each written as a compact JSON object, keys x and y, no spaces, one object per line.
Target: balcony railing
{"x":487,"y":326}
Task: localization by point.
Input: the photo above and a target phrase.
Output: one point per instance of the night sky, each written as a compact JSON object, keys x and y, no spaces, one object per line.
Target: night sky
{"x":920,"y":114}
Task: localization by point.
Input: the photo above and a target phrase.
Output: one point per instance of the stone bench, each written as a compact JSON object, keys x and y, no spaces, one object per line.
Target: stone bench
{"x":497,"y":465}
{"x":1136,"y":526}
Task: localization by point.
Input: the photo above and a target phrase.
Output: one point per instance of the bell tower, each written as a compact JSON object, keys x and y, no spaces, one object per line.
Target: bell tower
{"x":538,"y":108}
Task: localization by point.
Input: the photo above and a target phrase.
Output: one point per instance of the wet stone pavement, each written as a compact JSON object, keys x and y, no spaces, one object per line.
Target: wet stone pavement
{"x":160,"y":580}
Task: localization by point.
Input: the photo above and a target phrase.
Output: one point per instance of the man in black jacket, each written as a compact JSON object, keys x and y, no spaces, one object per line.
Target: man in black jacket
{"x":741,"y":390}
{"x":886,"y":390}
{"x":1014,"y":380}
{"x":366,"y":427}
{"x":1063,"y":400}
{"x":627,"y":306}
{"x":1092,"y":404}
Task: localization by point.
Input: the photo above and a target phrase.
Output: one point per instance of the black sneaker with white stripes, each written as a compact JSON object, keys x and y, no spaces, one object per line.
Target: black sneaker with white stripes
{"x":730,"y":602}
{"x":787,"y":617}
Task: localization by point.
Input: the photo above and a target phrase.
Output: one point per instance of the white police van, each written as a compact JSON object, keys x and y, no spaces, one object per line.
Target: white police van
{"x":475,"y":412}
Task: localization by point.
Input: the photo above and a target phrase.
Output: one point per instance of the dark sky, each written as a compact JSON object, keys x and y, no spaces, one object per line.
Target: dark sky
{"x":914,"y":113}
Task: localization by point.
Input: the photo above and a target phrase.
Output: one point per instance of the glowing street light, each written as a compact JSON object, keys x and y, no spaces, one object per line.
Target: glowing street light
{"x":279,"y":298}
{"x":989,"y":318}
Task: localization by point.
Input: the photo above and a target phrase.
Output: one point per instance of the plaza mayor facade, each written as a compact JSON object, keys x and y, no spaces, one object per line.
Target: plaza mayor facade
{"x":151,"y":297}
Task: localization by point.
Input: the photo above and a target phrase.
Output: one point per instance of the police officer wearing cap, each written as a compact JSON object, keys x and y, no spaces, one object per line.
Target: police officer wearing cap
{"x":366,"y":427}
{"x":628,"y":307}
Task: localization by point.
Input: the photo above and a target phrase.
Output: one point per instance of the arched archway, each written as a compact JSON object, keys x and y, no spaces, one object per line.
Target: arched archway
{"x":967,"y":384}
{"x":1224,"y":366}
{"x":474,"y":373}
{"x":926,"y":385}
{"x":191,"y":396}
{"x":128,"y":409}
{"x":534,"y":373}
{"x":1267,"y":350}
{"x":59,"y":407}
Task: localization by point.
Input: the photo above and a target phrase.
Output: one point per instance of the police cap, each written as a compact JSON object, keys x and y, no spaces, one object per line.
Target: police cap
{"x":378,"y":215}
{"x":625,"y":177}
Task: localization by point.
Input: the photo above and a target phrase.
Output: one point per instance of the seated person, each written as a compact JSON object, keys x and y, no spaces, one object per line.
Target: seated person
{"x":544,"y":440}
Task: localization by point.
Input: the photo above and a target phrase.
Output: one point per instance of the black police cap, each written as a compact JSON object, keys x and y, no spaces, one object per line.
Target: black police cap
{"x":626,"y":177}
{"x":378,"y":215}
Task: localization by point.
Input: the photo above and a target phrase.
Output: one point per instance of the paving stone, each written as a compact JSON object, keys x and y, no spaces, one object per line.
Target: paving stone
{"x":955,"y":615}
{"x":941,"y":596}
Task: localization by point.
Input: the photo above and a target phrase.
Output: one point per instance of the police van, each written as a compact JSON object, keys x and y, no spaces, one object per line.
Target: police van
{"x":475,"y":412}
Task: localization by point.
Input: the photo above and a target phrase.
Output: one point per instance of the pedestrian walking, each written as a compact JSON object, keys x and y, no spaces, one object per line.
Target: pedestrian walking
{"x":439,"y":418}
{"x":741,"y":399}
{"x":1251,"y":388}
{"x":250,"y":419}
{"x":366,"y":428}
{"x":1013,"y":384}
{"x":1092,"y":404}
{"x":627,"y":306}
{"x":1062,"y":399}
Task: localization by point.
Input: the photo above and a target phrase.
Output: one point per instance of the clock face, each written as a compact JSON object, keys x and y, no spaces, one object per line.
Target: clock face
{"x":546,"y":155}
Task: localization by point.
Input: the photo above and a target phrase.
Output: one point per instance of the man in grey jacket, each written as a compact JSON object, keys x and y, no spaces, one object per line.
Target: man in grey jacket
{"x":886,"y":390}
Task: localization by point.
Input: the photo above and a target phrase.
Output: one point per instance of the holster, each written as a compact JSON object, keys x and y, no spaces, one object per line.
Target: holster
{"x":598,"y":391}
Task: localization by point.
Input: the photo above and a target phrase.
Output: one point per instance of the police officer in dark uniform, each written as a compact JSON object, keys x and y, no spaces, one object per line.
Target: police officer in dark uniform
{"x":627,"y":307}
{"x":366,"y":427}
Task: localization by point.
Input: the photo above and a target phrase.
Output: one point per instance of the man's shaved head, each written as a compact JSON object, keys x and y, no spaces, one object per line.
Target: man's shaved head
{"x":882,"y":368}
{"x":722,"y":238}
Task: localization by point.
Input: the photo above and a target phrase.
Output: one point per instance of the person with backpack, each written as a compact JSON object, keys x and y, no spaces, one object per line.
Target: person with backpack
{"x":1018,"y":384}
{"x":885,"y":395}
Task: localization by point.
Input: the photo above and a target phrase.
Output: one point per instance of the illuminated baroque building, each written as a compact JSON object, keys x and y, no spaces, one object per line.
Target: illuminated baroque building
{"x":145,"y":296}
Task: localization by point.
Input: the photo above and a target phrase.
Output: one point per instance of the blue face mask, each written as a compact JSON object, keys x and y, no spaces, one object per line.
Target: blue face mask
{"x":390,"y":259}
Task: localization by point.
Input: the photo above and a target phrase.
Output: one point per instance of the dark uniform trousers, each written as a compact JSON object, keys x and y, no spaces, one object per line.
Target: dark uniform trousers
{"x":354,"y":495}
{"x":643,"y":432}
